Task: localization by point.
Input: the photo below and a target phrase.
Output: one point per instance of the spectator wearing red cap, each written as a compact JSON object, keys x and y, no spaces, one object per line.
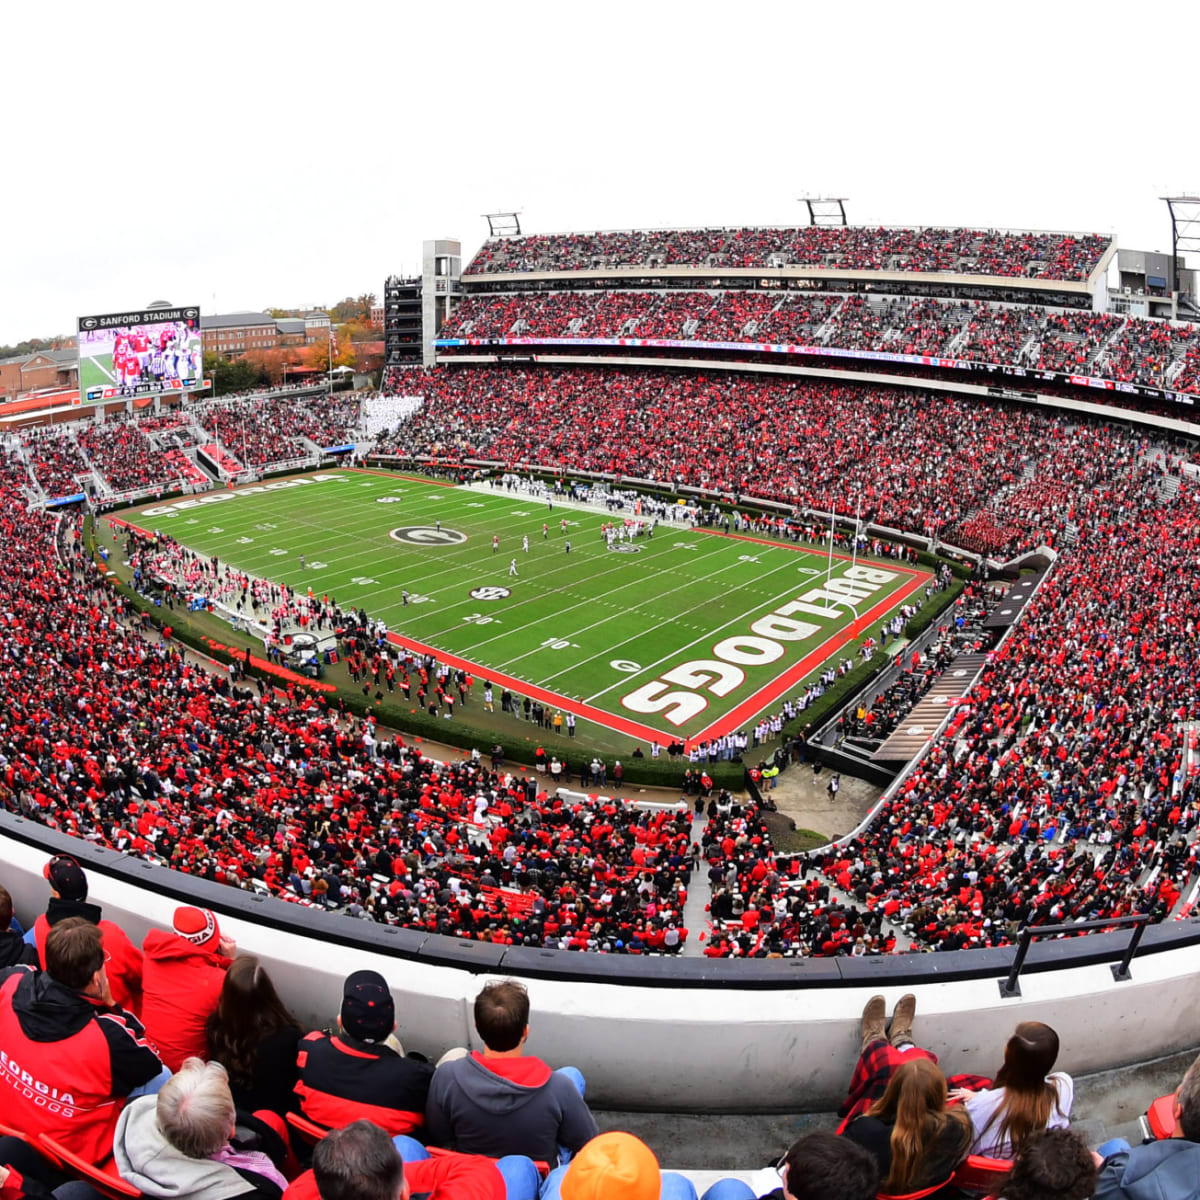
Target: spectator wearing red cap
{"x":68,"y":898}
{"x":355,"y":1072}
{"x":182,"y":974}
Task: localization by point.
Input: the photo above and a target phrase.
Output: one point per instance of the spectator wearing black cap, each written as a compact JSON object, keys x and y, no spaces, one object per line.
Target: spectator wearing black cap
{"x":68,"y":898}
{"x":355,"y":1073}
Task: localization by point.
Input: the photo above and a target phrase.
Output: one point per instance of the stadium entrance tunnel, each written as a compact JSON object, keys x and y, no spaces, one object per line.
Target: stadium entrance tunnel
{"x":662,"y":1033}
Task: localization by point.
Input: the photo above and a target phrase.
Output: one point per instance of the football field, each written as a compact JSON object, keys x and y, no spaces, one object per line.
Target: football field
{"x":685,"y":634}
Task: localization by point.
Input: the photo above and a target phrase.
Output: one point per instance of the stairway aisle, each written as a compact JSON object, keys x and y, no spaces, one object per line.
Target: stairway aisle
{"x":695,"y":912}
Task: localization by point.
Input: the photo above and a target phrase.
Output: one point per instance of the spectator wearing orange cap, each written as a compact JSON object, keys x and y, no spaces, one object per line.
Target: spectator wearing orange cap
{"x":183,"y":973}
{"x":616,"y":1166}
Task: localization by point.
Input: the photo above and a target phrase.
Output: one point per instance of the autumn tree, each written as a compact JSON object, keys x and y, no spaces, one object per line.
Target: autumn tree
{"x":269,"y":363}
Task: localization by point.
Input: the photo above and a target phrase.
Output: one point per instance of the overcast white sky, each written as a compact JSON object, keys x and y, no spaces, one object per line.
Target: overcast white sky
{"x":244,"y":154}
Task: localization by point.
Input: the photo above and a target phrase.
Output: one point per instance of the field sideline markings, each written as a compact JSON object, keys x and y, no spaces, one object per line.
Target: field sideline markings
{"x":97,"y":363}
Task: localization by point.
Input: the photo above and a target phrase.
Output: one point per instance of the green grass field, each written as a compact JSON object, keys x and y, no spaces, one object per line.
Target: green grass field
{"x":684,"y":635}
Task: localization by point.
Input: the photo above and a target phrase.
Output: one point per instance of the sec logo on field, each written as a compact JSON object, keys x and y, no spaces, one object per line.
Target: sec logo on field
{"x":388,"y":499}
{"x":427,"y":535}
{"x":625,"y":548}
{"x":489,"y":593}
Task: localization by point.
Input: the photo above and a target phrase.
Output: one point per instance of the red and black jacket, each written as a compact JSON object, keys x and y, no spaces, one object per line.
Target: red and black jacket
{"x":342,"y":1080}
{"x":67,"y":1063}
{"x":122,"y":959}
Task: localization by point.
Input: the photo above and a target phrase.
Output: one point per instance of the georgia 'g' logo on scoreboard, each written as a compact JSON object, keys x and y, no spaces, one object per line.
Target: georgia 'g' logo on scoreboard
{"x":88,"y":322}
{"x":427,"y":535}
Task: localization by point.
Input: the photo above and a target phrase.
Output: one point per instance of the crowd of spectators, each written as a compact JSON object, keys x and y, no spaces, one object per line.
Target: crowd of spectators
{"x":55,"y":462}
{"x":126,"y":459}
{"x":1127,"y":349}
{"x":1062,"y":799}
{"x":962,"y":251}
{"x":903,"y":459}
{"x":199,"y":1083}
{"x":257,"y":432}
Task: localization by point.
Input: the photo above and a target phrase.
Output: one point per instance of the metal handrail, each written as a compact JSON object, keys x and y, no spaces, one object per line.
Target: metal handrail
{"x":1120,"y":971}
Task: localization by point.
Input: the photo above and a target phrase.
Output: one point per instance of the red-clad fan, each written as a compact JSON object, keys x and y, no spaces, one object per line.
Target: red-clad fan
{"x":72,"y":1056}
{"x":360,"y":1163}
{"x":68,"y":898}
{"x":182,"y":976}
{"x":355,"y":1072}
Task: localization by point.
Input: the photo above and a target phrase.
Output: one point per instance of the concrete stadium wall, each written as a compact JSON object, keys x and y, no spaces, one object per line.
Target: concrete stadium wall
{"x":669,"y":1034}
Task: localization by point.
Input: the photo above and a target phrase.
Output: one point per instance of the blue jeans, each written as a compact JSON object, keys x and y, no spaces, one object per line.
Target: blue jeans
{"x":674,"y":1187}
{"x":576,"y":1077}
{"x":153,"y":1086}
{"x":729,"y":1189}
{"x":521,"y":1178}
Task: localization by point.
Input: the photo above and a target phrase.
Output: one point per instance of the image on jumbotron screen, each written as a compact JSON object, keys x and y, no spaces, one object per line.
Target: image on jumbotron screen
{"x":139,"y":353}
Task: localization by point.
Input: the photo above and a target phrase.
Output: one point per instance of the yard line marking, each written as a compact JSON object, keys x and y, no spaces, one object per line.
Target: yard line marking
{"x":638,"y":580}
{"x":758,"y":578}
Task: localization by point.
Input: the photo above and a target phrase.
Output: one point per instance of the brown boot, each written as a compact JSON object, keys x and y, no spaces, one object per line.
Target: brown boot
{"x":902,"y":1019}
{"x":874,"y":1021}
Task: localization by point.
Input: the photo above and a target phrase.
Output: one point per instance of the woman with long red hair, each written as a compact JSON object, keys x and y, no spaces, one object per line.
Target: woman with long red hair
{"x":917,"y":1139}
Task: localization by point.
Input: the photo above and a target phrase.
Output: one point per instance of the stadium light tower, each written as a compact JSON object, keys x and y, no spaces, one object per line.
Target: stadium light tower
{"x":503,"y":224}
{"x":1185,"y":231}
{"x":826,"y":210}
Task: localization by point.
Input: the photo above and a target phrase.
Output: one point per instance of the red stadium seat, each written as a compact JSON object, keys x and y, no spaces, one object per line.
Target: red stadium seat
{"x":310,"y":1131}
{"x":982,"y":1175}
{"x":910,"y":1195}
{"x":1160,"y":1117}
{"x":106,"y":1182}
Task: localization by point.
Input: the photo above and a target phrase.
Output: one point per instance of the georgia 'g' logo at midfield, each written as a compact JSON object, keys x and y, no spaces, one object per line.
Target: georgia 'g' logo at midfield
{"x":427,"y":535}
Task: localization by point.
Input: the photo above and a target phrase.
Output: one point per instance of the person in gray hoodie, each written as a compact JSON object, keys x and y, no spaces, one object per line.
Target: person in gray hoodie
{"x":1164,"y":1170}
{"x":177,"y":1145}
{"x":503,"y":1101}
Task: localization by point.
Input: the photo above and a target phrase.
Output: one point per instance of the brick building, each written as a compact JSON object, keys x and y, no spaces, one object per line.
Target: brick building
{"x":43,"y":369}
{"x":235,"y":333}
